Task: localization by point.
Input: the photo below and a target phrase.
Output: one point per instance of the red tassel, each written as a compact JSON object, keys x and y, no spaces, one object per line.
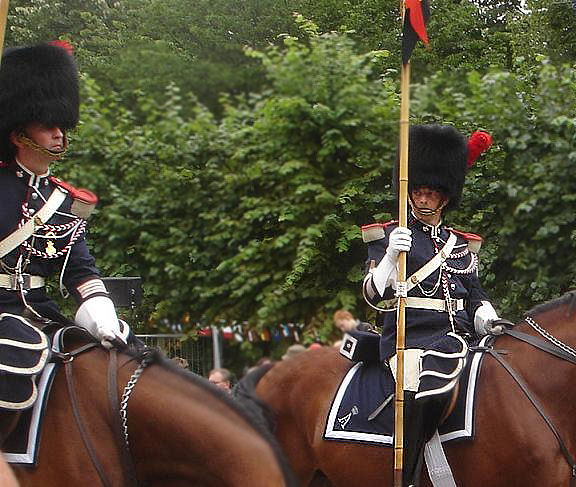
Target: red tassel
{"x":478,"y":143}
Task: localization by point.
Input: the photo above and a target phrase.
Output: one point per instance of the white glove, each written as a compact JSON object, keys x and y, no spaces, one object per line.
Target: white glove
{"x":484,"y":319}
{"x":400,"y":241}
{"x":385,"y":273}
{"x":98,"y":316}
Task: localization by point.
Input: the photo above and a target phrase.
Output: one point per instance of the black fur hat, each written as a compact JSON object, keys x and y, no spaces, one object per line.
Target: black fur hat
{"x":37,"y":84}
{"x":437,"y":158}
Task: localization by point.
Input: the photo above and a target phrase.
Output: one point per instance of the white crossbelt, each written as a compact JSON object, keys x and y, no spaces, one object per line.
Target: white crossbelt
{"x":433,"y":304}
{"x":433,"y":263}
{"x":13,"y":240}
{"x":10,"y":281}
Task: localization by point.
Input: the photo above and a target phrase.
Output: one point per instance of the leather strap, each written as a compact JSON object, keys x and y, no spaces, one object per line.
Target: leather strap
{"x":433,"y":304}
{"x":541,"y":344}
{"x":83,"y":433}
{"x":13,"y":240}
{"x":433,"y":263}
{"x":10,"y":281}
{"x":569,"y":459}
{"x":129,"y":470}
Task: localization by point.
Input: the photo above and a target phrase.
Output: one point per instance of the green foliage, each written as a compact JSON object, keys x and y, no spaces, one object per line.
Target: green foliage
{"x":253,"y":214}
{"x":519,"y":196}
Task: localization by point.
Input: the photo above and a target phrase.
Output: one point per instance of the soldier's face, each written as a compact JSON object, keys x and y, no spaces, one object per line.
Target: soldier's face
{"x":51,"y":138}
{"x":31,"y":142}
{"x":428,"y":203}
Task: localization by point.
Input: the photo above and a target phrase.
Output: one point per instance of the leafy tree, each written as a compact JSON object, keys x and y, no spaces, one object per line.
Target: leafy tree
{"x":254,"y":216}
{"x":519,"y":196}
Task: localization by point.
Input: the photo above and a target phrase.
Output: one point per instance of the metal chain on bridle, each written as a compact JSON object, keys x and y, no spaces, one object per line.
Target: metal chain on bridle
{"x":126,"y":396}
{"x":548,"y":336}
{"x":119,"y":411}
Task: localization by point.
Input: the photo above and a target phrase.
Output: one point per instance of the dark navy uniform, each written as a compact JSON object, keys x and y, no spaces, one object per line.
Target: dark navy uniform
{"x":444,"y":301}
{"x":57,"y":247}
{"x":455,"y":282}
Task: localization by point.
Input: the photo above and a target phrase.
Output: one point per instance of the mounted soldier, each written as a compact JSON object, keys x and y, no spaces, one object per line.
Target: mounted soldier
{"x":445,"y":304}
{"x":43,"y":219}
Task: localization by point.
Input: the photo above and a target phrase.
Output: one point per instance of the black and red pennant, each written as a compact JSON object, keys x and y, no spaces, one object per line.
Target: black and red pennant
{"x":415,"y":20}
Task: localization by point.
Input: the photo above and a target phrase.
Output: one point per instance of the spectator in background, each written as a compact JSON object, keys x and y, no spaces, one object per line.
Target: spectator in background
{"x":345,"y":321}
{"x":180,"y":362}
{"x":221,"y":377}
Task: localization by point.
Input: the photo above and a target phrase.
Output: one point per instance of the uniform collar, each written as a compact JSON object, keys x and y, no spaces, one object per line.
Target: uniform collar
{"x":432,"y":230}
{"x":34,"y":180}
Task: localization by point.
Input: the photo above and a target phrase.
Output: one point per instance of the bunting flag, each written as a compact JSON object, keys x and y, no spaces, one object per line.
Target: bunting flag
{"x":415,"y":19}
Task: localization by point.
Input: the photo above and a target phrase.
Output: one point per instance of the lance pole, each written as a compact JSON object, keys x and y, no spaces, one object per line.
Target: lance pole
{"x":401,"y":284}
{"x":3,"y":21}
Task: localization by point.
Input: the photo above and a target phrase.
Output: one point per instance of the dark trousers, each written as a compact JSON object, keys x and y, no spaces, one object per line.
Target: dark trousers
{"x":421,"y":419}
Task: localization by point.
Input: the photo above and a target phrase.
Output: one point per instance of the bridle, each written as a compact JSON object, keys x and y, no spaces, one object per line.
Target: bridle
{"x":549,"y":344}
{"x":118,"y":409}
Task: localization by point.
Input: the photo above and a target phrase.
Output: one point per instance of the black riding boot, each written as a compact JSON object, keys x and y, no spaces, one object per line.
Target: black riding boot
{"x":421,"y":419}
{"x":414,"y":440}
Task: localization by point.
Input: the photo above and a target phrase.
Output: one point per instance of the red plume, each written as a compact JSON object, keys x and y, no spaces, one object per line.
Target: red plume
{"x":478,"y":142}
{"x":64,"y":45}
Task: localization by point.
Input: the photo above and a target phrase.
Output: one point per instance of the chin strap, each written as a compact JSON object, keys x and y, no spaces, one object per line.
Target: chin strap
{"x":425,"y":211}
{"x":33,"y":145}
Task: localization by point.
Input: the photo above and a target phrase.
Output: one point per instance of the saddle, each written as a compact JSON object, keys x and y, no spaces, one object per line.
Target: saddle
{"x":21,"y":427}
{"x":363,"y":407}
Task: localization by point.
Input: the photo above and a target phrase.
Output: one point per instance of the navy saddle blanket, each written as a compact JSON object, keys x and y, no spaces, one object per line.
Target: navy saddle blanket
{"x":367,"y":385}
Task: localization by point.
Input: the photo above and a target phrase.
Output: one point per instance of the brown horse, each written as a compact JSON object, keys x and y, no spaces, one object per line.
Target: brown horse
{"x":514,"y":443}
{"x":159,"y":426}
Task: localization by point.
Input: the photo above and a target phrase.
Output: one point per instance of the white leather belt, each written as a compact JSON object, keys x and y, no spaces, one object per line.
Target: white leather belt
{"x":23,"y":281}
{"x":433,"y":304}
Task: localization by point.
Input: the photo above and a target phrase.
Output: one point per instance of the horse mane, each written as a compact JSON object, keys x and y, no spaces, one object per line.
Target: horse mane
{"x":568,"y":298}
{"x":243,"y":392}
{"x":254,"y":412}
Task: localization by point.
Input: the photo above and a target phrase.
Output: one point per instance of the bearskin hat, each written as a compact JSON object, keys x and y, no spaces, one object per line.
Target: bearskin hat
{"x":37,"y":84}
{"x":437,"y":158}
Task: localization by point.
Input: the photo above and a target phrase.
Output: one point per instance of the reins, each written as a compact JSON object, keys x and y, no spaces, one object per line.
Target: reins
{"x":118,"y":411}
{"x":554,"y":347}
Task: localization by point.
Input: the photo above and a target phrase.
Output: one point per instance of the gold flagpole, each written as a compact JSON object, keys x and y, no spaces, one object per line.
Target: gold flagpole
{"x":401,"y":285}
{"x":3,"y":21}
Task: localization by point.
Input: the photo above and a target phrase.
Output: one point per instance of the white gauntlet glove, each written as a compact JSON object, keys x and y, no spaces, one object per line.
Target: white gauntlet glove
{"x":484,"y":320}
{"x":400,"y":241}
{"x":384,"y":274}
{"x":98,"y":316}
